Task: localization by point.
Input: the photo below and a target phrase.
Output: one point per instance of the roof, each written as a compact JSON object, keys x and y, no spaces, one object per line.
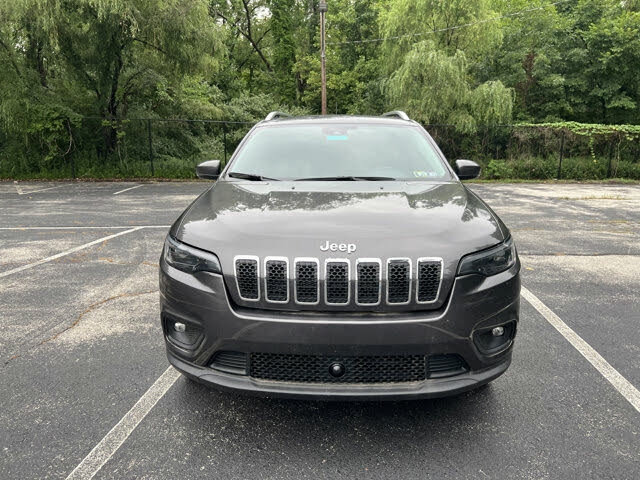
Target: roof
{"x":311,"y":119}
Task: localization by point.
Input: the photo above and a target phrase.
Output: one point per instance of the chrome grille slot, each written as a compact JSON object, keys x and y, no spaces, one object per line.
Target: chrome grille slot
{"x":247,"y":278}
{"x":398,"y":280}
{"x":429,"y":279}
{"x":306,"y":281}
{"x":276,"y":279}
{"x":336,"y":287}
{"x":368,"y":281}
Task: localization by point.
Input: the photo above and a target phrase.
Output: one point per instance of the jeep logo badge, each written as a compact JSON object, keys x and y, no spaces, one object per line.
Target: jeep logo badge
{"x":338,"y":247}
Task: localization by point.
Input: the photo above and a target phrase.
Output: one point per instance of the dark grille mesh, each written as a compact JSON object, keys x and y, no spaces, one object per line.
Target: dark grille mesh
{"x":337,"y":282}
{"x":368,"y":283}
{"x":398,"y":276}
{"x":428,"y":280}
{"x":315,"y":368}
{"x":306,"y":282}
{"x":247,"y":278}
{"x":229,"y":361}
{"x":276,"y":281}
{"x":440,"y":366}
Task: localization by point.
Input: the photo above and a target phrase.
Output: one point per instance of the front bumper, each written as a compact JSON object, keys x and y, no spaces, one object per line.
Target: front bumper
{"x":475,"y":304}
{"x":434,"y":388}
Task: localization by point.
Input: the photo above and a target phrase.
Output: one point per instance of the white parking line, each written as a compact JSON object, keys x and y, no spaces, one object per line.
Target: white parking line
{"x":66,"y":252}
{"x":112,"y":441}
{"x":127,"y":189}
{"x":85,"y":227}
{"x":21,"y":192}
{"x":614,"y":377}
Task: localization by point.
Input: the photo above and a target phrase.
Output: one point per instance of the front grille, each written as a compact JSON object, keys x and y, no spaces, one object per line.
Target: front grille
{"x":337,"y":282}
{"x":307,"y":281}
{"x":247,"y":278}
{"x":357,"y":369}
{"x":363,"y":282}
{"x":276,"y":278}
{"x":398,"y":281}
{"x":429,"y":277}
{"x":368,"y":282}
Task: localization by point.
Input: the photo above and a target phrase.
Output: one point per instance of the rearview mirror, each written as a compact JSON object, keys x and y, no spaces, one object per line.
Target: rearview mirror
{"x":209,"y":170}
{"x":466,"y":169}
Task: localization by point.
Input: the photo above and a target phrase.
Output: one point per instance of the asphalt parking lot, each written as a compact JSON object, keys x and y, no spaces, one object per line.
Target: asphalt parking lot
{"x":86,"y":389}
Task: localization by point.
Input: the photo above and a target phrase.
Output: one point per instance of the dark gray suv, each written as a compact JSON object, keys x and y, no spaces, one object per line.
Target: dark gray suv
{"x":340,"y":257}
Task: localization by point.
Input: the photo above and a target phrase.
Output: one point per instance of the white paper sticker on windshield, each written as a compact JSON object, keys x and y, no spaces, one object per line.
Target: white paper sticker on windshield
{"x":422,"y":173}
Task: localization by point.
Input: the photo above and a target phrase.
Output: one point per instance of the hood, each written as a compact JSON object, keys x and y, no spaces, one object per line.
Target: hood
{"x":382,"y":219}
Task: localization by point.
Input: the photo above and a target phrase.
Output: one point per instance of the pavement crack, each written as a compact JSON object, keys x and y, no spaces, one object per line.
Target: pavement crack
{"x":73,"y":324}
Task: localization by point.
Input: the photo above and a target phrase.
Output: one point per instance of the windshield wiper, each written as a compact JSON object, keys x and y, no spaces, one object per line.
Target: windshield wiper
{"x":250,"y":176}
{"x":345,"y":179}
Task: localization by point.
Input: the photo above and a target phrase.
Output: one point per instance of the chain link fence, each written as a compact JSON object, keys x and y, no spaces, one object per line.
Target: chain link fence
{"x":92,"y":147}
{"x":542,"y":152}
{"x":152,"y":146}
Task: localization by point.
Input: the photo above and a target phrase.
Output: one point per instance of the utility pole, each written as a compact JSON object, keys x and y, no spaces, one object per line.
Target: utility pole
{"x":323,"y":7}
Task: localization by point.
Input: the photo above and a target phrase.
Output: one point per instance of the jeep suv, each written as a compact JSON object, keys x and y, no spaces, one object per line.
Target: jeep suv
{"x":339,"y":257}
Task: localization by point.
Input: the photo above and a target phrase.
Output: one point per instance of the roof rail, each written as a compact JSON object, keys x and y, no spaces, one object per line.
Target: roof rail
{"x":398,"y":114}
{"x":275,"y":114}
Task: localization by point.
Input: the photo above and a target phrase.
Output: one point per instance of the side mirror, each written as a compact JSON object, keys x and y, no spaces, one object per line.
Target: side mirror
{"x":466,"y":169}
{"x":209,"y":170}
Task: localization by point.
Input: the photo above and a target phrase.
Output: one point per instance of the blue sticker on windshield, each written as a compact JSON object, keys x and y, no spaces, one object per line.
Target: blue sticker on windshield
{"x":337,"y":137}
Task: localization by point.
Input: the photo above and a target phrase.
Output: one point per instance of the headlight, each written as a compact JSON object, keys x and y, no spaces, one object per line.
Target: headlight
{"x":489,"y":262}
{"x":189,"y":259}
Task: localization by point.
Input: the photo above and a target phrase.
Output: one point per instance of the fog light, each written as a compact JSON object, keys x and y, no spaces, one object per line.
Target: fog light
{"x":183,"y":334}
{"x":494,"y":339}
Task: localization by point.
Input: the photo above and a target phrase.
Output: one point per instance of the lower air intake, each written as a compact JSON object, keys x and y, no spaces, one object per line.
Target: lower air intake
{"x":230,"y":362}
{"x":439,"y":366}
{"x":355,"y":369}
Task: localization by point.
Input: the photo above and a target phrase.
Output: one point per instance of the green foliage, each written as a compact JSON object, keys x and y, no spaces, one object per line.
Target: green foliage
{"x":434,"y":87}
{"x":284,"y":49}
{"x":408,"y":21}
{"x":630,"y":132}
{"x":576,"y":168}
{"x":76,"y":75}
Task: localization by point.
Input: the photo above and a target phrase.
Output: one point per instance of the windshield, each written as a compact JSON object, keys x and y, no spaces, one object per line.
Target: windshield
{"x":338,"y":151}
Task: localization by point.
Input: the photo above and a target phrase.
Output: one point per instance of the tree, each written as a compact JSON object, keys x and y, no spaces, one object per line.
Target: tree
{"x":284,"y":49}
{"x":405,"y":22}
{"x":98,"y":58}
{"x":602,"y":60}
{"x":353,"y":63}
{"x":434,"y":87}
{"x":247,"y":18}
